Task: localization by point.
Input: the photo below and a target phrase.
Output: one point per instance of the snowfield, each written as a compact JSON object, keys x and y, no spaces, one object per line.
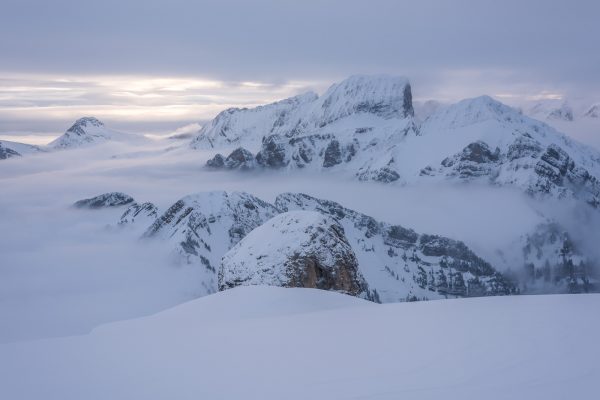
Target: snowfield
{"x":274,"y":343}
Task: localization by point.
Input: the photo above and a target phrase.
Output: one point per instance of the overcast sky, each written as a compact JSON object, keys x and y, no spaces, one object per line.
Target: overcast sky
{"x":155,"y":65}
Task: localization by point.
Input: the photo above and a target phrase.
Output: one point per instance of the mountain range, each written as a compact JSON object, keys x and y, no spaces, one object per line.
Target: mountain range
{"x":365,"y":128}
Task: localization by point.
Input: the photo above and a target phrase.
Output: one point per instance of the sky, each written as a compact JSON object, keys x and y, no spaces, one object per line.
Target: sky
{"x":152,"y":66}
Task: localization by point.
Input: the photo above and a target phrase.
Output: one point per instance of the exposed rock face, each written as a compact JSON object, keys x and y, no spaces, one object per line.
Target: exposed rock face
{"x":273,"y":152}
{"x":398,"y":264}
{"x":218,"y":161}
{"x":333,"y":154}
{"x":112,"y":199}
{"x":474,"y":161}
{"x":240,"y":158}
{"x":294,"y":249}
{"x":6,"y":152}
{"x":203,"y":227}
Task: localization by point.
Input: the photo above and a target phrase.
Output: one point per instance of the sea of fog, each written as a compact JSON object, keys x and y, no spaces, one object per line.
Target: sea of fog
{"x":64,"y":271}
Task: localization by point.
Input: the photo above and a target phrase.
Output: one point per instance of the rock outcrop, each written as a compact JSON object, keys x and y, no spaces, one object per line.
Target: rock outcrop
{"x":295,"y":249}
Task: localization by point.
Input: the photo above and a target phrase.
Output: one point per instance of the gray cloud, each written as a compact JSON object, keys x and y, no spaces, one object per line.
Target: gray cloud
{"x":448,"y":49}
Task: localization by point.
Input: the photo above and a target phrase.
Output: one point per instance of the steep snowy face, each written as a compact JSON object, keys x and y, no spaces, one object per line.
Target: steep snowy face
{"x":243,"y":126}
{"x":89,"y":130}
{"x":294,"y":249}
{"x":112,"y":199}
{"x":503,"y":147}
{"x":384,"y":96}
{"x":354,"y":128}
{"x":204,"y":226}
{"x":400,"y":265}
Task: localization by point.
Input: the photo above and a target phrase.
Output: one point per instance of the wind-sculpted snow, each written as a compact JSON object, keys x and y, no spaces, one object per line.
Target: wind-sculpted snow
{"x":399,"y":264}
{"x":295,"y":249}
{"x":271,"y":343}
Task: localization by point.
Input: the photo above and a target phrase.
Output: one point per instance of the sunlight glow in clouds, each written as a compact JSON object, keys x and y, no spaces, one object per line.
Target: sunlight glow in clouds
{"x":48,"y":104}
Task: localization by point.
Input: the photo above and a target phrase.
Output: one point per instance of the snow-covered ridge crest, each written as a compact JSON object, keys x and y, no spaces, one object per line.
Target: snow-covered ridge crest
{"x":377,"y":98}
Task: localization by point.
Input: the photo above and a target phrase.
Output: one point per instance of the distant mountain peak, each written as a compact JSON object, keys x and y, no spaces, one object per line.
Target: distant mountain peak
{"x":593,"y":111}
{"x":90,"y":130}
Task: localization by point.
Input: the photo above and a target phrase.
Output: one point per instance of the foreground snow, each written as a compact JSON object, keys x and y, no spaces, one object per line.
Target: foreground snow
{"x":263,"y":342}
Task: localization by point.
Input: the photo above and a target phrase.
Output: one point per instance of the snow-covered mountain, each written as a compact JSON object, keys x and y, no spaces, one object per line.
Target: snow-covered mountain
{"x":365,"y":127}
{"x":560,"y":110}
{"x":502,"y":147}
{"x":400,"y":264}
{"x":89,"y":130}
{"x":9,"y":149}
{"x":202,"y":227}
{"x":397,"y":263}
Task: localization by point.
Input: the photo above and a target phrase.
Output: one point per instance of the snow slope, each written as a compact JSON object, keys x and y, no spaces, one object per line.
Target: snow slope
{"x":274,"y":343}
